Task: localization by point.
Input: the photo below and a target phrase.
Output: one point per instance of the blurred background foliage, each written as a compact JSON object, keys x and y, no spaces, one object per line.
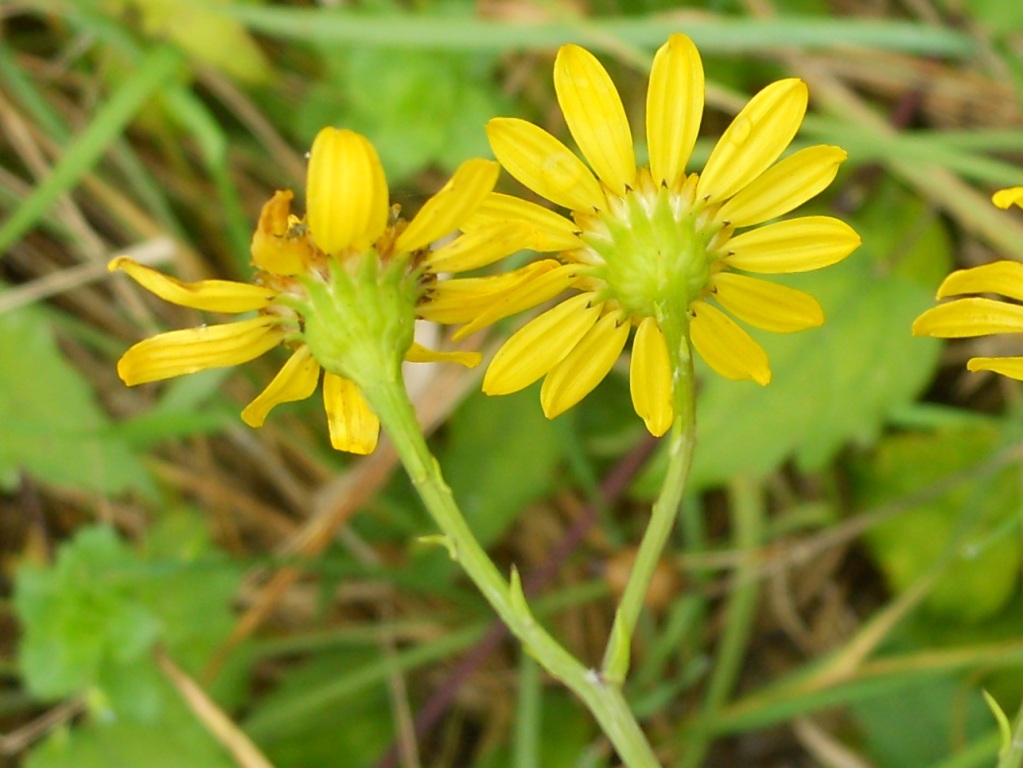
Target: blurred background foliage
{"x":182,"y":591}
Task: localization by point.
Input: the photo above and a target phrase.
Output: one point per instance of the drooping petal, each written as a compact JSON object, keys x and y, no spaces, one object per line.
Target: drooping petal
{"x":766,"y":305}
{"x":446,"y":211}
{"x":417,"y":353}
{"x":458,"y":301}
{"x":795,"y":245}
{"x":346,"y":192}
{"x":274,"y":248}
{"x":539,"y":345}
{"x":1007,"y":366}
{"x":595,"y":116}
{"x":353,"y":426}
{"x":544,"y":164}
{"x":784,"y":187}
{"x":755,"y":139}
{"x":295,"y":381}
{"x":585,"y":366}
{"x":964,"y":318}
{"x":674,"y":107}
{"x":211,"y":295}
{"x":726,"y":347}
{"x":1002,"y":277}
{"x":178,"y":353}
{"x":650,"y":378}
{"x":530,"y":292}
{"x":1003,"y":198}
{"x":552,"y":232}
{"x":480,"y":247}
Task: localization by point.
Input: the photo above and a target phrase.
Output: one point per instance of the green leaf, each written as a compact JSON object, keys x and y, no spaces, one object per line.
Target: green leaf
{"x":80,"y":618}
{"x":211,"y":37}
{"x":973,"y":528}
{"x":175,"y":739}
{"x":356,"y":726}
{"x":914,"y":728}
{"x":52,"y":427}
{"x":421,"y":108}
{"x":502,"y":455}
{"x":92,"y":618}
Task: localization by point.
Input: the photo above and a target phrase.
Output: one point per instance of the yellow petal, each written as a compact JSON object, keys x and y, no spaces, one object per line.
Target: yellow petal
{"x":755,"y":139}
{"x":585,"y":366}
{"x":1007,"y":366}
{"x":1003,"y":198}
{"x":539,"y":345}
{"x":1003,"y":277}
{"x":463,"y":299}
{"x":795,"y":245}
{"x":552,"y":231}
{"x":447,"y":210}
{"x":480,"y":247}
{"x":595,"y":116}
{"x":417,"y":353}
{"x":295,"y":381}
{"x":964,"y":318}
{"x":767,"y":305}
{"x":674,"y":107}
{"x":276,"y":247}
{"x":784,"y":186}
{"x":211,"y":295}
{"x":534,"y":289}
{"x":726,"y":347}
{"x":650,"y":378}
{"x":178,"y":353}
{"x":354,"y":427}
{"x":544,"y":164}
{"x":346,"y":192}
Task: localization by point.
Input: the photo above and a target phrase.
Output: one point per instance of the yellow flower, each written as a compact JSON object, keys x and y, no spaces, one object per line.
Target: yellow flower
{"x":652,"y":247}
{"x":339,"y":288}
{"x":979,"y":316}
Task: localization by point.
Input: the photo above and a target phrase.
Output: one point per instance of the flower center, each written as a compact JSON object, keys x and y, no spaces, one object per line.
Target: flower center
{"x":653,"y":248}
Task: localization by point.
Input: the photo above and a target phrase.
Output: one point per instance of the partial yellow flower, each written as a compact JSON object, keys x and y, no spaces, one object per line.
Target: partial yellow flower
{"x":340,"y":288}
{"x":655,"y":248}
{"x":977,"y":315}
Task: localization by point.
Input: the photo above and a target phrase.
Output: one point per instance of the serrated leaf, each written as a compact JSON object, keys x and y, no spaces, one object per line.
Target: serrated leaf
{"x":79,"y":617}
{"x":971,"y":525}
{"x":91,"y":619}
{"x":52,"y":427}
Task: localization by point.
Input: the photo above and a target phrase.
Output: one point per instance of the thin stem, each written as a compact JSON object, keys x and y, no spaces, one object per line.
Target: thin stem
{"x":663,"y":514}
{"x":390,"y":401}
{"x":748,"y":526}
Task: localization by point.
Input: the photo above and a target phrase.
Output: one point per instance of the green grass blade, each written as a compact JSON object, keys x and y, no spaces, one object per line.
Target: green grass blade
{"x":712,"y":35}
{"x":153,"y":73}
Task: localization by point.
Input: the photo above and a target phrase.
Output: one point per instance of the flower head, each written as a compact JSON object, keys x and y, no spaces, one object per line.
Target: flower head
{"x":654,"y":248}
{"x":340,"y":288}
{"x":976,"y":315}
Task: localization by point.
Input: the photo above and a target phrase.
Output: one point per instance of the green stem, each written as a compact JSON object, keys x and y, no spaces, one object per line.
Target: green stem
{"x":748,"y":526}
{"x":681,"y":439}
{"x":391,"y":404}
